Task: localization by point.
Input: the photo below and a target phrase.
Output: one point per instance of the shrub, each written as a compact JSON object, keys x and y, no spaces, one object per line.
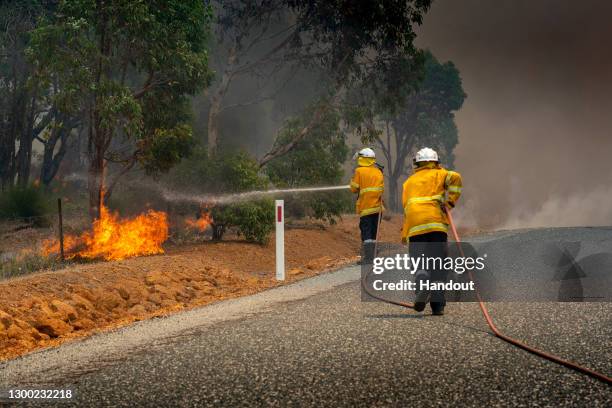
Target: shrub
{"x":27,"y":203}
{"x":329,"y":206}
{"x":253,"y":219}
{"x":235,"y":172}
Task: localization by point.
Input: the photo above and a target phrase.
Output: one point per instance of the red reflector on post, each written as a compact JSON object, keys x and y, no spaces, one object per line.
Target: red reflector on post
{"x":280,"y":241}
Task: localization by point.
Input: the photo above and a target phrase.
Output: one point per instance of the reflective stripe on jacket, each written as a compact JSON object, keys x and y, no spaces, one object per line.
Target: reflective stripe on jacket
{"x":368,"y":181}
{"x":424,"y":193}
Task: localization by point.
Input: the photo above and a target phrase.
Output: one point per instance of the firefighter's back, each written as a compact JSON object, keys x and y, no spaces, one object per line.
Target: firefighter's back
{"x":423,"y":194}
{"x":371,"y":188}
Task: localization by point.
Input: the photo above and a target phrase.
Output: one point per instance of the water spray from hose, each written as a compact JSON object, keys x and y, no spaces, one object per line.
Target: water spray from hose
{"x":175,"y":196}
{"x":229,"y":198}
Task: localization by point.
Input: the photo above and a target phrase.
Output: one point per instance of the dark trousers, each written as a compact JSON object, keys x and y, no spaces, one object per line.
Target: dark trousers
{"x":368,"y":225}
{"x":432,"y":244}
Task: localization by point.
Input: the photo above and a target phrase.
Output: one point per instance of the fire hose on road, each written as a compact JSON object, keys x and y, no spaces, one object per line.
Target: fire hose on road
{"x":485,"y":312}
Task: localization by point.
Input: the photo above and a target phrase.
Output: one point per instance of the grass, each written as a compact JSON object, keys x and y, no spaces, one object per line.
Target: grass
{"x":28,"y":263}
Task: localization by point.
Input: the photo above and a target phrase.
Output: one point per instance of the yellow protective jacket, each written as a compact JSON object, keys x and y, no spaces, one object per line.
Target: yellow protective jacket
{"x":424,"y":192}
{"x":368,"y":182}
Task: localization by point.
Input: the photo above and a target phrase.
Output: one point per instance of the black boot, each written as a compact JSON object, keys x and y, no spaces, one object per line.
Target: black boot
{"x":421,"y":296}
{"x":437,"y":309}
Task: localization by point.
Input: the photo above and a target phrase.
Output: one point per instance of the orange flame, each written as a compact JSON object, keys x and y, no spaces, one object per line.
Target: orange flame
{"x":201,"y":223}
{"x":112,"y":238}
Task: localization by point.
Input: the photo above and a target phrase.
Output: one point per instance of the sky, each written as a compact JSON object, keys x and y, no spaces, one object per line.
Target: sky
{"x":535,"y":131}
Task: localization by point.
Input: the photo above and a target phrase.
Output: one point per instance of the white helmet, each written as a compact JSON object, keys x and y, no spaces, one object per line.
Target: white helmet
{"x":365,"y":152}
{"x":426,"y":154}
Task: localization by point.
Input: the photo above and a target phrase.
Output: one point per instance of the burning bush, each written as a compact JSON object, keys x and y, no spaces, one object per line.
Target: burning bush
{"x":203,"y":221}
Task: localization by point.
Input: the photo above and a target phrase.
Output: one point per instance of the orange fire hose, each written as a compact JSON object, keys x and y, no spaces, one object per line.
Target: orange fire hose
{"x":485,"y":312}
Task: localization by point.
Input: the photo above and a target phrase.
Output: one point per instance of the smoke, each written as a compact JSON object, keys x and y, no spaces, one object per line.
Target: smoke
{"x":588,"y":209}
{"x":465,"y":215}
{"x":534,"y":133}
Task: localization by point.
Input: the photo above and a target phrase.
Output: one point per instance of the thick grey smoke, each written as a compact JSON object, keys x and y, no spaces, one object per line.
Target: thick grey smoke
{"x":535,"y":132}
{"x":587,"y":209}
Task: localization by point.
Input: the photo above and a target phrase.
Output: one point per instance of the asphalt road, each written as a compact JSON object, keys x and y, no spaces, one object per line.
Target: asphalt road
{"x":316,"y":343}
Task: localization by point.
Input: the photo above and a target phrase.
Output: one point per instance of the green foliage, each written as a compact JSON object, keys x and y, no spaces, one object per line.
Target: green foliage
{"x":353,"y":30}
{"x":328,"y":206}
{"x":124,"y":67}
{"x":27,"y":203}
{"x":238,"y":172}
{"x":429,"y":117}
{"x":314,"y":161}
{"x":253,"y":219}
{"x":441,"y":89}
{"x":439,"y":133}
{"x":167,"y":148}
{"x":224,"y":172}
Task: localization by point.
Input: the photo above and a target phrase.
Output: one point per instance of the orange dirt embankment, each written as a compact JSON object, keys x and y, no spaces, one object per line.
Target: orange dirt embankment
{"x":48,"y":308}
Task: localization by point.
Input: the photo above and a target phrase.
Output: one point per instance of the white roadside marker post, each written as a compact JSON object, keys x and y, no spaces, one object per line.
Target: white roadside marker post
{"x":280,"y":240}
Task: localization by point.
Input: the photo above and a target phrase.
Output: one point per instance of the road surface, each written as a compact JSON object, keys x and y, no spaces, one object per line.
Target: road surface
{"x":316,"y":343}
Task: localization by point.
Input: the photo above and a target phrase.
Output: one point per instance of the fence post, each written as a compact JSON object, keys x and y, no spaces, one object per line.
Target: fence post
{"x":61,"y":228}
{"x":280,"y":240}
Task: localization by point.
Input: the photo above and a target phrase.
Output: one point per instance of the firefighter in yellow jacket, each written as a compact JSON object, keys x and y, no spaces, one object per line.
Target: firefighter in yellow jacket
{"x":426,"y":194}
{"x":368,"y":183}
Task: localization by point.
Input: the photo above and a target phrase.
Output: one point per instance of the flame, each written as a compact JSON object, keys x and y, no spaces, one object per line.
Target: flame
{"x":200,"y":223}
{"x":112,"y":238}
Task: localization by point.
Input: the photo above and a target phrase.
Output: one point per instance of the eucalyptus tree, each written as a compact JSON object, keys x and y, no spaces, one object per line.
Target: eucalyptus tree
{"x":125,"y":68}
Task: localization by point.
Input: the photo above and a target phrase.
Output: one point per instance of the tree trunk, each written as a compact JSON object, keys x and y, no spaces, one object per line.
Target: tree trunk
{"x":12,"y":132}
{"x":46,"y":167}
{"x":217,"y":231}
{"x":394,"y":194}
{"x":7,"y":149}
{"x":213,"y":120}
{"x":216,"y":102}
{"x":51,"y":162}
{"x":114,"y":180}
{"x":97,"y":169}
{"x":24,"y":156}
{"x":95,"y":185}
